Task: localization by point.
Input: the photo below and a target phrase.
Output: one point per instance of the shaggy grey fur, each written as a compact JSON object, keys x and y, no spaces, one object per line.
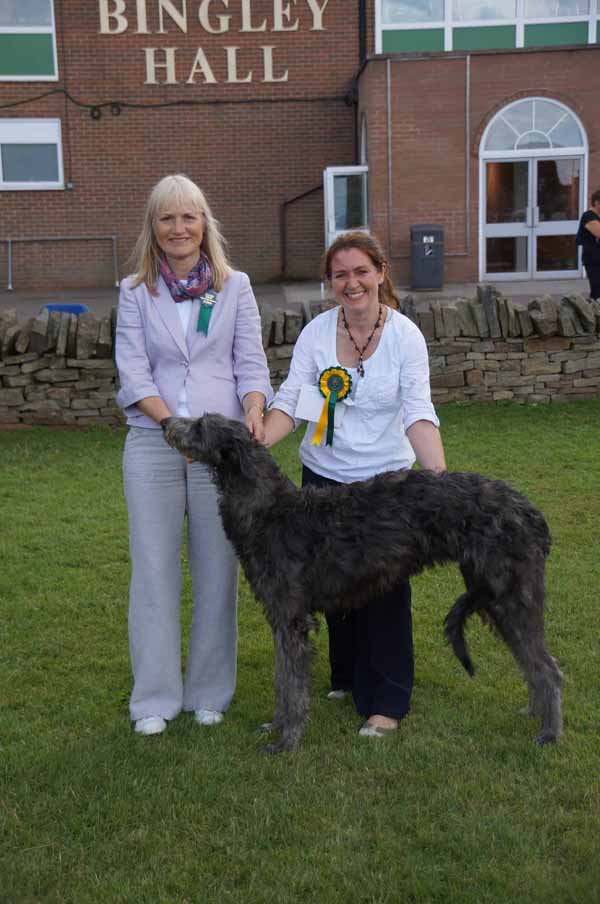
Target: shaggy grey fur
{"x":320,"y":549}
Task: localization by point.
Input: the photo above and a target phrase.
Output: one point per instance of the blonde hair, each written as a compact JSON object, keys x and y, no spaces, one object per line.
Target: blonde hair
{"x":369,"y":245}
{"x":180,"y":191}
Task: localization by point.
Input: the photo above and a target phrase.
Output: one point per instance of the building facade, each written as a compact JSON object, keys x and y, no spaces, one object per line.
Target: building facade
{"x":299,"y":118}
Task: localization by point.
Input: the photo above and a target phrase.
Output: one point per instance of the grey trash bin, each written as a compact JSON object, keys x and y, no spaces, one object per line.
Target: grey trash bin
{"x":427,"y":256}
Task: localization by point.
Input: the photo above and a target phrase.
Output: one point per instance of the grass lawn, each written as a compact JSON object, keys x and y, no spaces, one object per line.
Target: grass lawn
{"x":458,"y":807}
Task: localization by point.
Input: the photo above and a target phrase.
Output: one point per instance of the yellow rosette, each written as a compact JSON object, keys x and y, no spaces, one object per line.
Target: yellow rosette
{"x":334,"y":384}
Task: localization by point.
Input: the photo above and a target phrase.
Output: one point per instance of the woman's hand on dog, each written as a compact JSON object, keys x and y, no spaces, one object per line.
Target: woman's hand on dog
{"x":255,"y":423}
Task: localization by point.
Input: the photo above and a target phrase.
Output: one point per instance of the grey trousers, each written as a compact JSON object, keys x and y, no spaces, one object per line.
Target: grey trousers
{"x":160,"y":488}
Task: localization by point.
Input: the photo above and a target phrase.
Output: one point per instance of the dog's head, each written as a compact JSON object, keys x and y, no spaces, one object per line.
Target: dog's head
{"x":224,"y":445}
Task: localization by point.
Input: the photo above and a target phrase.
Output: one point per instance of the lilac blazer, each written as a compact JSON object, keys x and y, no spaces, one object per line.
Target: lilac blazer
{"x":154,"y":358}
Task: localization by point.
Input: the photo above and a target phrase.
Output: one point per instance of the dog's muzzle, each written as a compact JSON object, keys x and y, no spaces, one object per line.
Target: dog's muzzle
{"x":175,"y":431}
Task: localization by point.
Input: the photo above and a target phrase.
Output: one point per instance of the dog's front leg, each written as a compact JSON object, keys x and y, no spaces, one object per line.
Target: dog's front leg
{"x":293,"y":654}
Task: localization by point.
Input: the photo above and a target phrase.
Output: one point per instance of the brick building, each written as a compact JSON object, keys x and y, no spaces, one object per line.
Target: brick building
{"x":476,"y":115}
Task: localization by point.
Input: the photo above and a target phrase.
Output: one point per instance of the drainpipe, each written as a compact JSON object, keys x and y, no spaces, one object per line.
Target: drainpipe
{"x":389,"y":151}
{"x":468,"y":156}
{"x":362,"y":31}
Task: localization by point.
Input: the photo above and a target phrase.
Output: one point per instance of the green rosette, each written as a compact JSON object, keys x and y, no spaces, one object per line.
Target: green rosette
{"x":207,"y":303}
{"x":334,"y":384}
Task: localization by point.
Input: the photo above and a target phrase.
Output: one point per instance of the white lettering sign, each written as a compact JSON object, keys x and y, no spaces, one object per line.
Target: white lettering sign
{"x":214,"y":17}
{"x":203,"y":18}
{"x":152,"y":65}
{"x":317,"y":12}
{"x":179,"y":17}
{"x":232,"y":76}
{"x":200,"y":62}
{"x":142,"y":19}
{"x":247,"y":18}
{"x":281,"y":12}
{"x":268,"y":67}
{"x":106,"y":14}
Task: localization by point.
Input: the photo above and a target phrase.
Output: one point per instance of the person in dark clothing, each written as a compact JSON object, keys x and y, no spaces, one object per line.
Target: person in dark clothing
{"x":378,"y":359}
{"x":588,"y":236}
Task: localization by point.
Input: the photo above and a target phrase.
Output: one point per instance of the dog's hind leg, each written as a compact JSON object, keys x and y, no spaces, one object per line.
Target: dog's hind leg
{"x":544,"y":679}
{"x":293,"y":656}
{"x":547,"y":679}
{"x":519,"y":620}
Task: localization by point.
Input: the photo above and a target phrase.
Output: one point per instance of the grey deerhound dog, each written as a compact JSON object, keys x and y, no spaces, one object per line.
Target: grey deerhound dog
{"x":321,"y":549}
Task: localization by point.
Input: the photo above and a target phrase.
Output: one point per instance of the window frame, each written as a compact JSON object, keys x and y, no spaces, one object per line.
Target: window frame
{"x":34,"y":30}
{"x":519,"y":21}
{"x":27,"y":131}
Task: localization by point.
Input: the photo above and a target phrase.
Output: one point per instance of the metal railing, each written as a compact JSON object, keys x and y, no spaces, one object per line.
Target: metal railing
{"x":60,"y":238}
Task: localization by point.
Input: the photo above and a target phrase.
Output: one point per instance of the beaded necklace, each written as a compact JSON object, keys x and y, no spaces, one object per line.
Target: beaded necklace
{"x":360,"y":367}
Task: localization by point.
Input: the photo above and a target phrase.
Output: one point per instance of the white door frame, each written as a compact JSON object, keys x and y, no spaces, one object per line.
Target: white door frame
{"x":555,"y":227}
{"x":329,"y":174}
{"x":499,"y":230}
{"x":531,"y":228}
{"x":534,"y":228}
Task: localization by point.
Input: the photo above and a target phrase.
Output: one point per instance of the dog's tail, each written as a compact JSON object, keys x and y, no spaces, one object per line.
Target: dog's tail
{"x":454,"y":625}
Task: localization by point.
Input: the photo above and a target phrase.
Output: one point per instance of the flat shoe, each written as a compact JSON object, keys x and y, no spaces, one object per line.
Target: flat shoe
{"x":337,"y":695}
{"x":150,"y":725}
{"x":376,"y":731}
{"x":207,"y":717}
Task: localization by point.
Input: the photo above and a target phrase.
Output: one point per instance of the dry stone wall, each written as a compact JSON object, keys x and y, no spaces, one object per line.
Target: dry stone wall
{"x":489,"y":349}
{"x":58,"y":368}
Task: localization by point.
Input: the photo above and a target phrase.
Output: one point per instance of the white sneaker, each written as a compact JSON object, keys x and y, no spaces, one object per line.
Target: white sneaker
{"x":376,"y":731}
{"x":207,"y":717}
{"x":150,"y":725}
{"x":337,"y":695}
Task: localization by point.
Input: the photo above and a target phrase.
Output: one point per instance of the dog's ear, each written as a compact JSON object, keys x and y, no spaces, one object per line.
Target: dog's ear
{"x":202,"y":439}
{"x":237,"y":453}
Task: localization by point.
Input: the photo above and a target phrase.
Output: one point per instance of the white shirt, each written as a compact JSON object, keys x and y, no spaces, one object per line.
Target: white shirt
{"x":393,"y":394}
{"x":184,"y":309}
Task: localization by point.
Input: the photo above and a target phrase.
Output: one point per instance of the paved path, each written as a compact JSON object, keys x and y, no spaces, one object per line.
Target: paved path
{"x":287,"y":295}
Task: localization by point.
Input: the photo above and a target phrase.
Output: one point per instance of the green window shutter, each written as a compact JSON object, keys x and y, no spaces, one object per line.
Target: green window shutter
{"x":492,"y":37}
{"x":413,"y":40}
{"x":556,"y":33}
{"x":22,"y":55}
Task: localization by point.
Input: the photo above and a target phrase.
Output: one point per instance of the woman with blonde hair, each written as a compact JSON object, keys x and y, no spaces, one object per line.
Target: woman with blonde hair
{"x":188,"y":341}
{"x":360,"y":377}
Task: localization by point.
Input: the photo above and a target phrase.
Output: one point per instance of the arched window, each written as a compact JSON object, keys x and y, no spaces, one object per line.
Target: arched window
{"x":533,"y":124}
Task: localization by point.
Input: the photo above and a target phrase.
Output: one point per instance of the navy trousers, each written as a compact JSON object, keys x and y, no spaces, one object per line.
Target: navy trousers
{"x":592,"y":268}
{"x":371,"y":649}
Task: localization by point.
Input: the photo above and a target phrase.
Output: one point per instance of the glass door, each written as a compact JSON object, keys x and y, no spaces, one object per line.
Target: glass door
{"x":345,"y":200}
{"x":508,"y":219}
{"x":532,"y":210}
{"x":558,"y":201}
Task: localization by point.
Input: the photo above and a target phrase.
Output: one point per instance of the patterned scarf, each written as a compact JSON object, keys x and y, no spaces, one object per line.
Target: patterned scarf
{"x":198,"y":282}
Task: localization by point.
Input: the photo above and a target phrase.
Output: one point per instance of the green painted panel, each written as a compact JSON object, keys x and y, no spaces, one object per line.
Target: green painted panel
{"x":598,"y":32}
{"x":26,"y":55}
{"x":494,"y":37}
{"x":413,"y":40}
{"x":553,"y":33}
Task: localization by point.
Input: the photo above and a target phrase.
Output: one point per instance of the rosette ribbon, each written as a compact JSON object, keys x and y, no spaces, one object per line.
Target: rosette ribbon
{"x":207,"y":303}
{"x":334,"y":384}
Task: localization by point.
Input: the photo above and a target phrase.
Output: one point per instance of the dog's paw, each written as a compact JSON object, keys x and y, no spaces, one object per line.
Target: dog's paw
{"x":545,"y":737}
{"x":281,"y":746}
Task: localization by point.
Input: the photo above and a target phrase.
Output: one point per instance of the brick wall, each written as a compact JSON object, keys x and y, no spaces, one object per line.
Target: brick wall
{"x":58,"y":368}
{"x":252,"y":146}
{"x":249,"y":146}
{"x":428,"y":134}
